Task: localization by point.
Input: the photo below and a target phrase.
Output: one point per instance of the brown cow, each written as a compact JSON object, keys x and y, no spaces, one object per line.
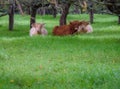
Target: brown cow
{"x":69,"y":29}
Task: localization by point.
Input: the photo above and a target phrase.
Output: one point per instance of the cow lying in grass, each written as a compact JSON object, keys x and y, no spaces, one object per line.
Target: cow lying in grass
{"x":75,"y":27}
{"x":38,"y":29}
{"x":85,"y":27}
{"x":69,"y":29}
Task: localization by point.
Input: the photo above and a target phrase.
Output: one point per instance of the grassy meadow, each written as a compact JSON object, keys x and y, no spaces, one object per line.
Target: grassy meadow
{"x":85,"y":61}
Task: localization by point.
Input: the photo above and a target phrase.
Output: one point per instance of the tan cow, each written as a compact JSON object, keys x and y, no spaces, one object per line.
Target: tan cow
{"x":38,"y":29}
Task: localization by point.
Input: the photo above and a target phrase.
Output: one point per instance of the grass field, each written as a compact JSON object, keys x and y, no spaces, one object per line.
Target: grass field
{"x":86,"y":61}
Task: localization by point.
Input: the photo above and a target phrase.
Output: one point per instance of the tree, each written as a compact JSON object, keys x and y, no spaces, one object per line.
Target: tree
{"x":3,"y":8}
{"x":65,"y":9}
{"x":114,"y":7}
{"x":33,"y":6}
{"x":7,"y":7}
{"x":91,"y":13}
{"x":11,"y":14}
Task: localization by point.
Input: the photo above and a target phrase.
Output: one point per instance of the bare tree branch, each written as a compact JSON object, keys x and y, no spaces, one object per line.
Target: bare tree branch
{"x":19,"y":6}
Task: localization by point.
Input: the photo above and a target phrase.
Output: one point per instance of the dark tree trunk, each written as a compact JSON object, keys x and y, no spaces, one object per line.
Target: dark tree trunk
{"x":119,"y":19}
{"x":54,"y":11}
{"x":33,"y":15}
{"x":91,"y":16}
{"x":11,"y":17}
{"x":91,"y":13}
{"x":64,"y":14}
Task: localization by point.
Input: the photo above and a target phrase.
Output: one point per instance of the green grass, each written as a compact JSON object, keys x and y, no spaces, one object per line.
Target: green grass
{"x":86,"y":61}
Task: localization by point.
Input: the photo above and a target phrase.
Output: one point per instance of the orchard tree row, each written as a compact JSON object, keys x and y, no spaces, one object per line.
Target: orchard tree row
{"x":63,"y":7}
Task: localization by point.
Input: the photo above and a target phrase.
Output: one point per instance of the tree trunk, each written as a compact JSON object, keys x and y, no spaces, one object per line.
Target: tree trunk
{"x":64,"y":14}
{"x":119,"y":19}
{"x":33,"y":15}
{"x":54,"y":12}
{"x":91,"y":13}
{"x":11,"y":17}
{"x":91,"y":16}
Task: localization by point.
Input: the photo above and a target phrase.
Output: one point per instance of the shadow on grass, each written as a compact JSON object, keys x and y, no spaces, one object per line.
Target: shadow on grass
{"x":0,"y":25}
